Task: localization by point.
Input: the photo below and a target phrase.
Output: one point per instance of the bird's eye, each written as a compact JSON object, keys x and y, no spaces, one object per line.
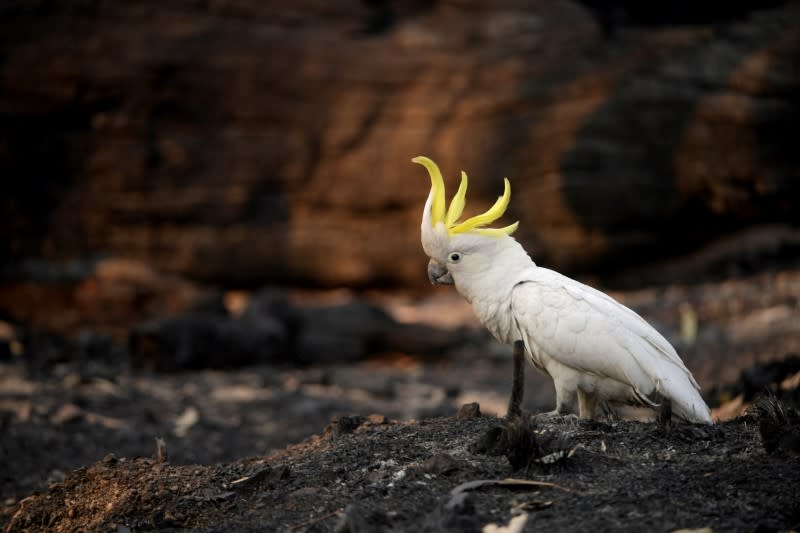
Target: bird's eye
{"x":455,"y":257}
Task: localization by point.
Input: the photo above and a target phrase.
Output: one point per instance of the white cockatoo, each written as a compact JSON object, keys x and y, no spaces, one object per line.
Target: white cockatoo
{"x":596,"y":350}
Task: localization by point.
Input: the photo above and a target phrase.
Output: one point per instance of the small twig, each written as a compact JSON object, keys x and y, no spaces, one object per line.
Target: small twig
{"x":458,"y":494}
{"x":312,"y":521}
{"x":161,"y":450}
{"x":508,"y":482}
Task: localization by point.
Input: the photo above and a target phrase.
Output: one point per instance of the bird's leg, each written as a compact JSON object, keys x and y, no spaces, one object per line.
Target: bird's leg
{"x":518,"y":385}
{"x":565,"y":404}
{"x":587,"y":404}
{"x":608,"y":412}
{"x":665,"y":414}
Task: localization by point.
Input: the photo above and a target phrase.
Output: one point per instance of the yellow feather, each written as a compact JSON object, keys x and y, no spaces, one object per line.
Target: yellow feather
{"x":458,"y":202}
{"x":437,"y":185}
{"x":450,"y":216}
{"x":498,"y":232}
{"x":494,"y":212}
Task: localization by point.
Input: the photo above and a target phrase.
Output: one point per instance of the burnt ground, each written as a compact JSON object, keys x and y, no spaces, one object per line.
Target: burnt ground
{"x":401,"y":476}
{"x":60,"y":414}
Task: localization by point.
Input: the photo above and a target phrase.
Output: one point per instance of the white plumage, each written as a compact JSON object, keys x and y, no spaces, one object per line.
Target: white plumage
{"x":596,"y":350}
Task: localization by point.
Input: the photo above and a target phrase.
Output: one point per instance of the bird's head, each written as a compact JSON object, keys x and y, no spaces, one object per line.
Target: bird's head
{"x":460,"y":249}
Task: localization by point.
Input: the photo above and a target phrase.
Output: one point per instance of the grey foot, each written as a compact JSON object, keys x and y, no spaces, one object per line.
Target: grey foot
{"x":555,"y":415}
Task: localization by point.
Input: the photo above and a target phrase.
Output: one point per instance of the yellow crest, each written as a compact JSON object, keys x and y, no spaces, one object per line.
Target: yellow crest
{"x":450,"y":216}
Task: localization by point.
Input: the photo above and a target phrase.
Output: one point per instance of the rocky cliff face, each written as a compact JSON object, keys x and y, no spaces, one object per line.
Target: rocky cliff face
{"x":248,"y":142}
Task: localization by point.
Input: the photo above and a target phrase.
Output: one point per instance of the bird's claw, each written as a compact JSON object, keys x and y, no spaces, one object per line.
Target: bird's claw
{"x":555,"y":415}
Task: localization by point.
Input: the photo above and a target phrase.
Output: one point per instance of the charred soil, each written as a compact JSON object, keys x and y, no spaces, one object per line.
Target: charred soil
{"x":371,"y":474}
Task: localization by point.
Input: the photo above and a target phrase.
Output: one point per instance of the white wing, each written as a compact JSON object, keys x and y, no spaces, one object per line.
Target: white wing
{"x":589,"y":331}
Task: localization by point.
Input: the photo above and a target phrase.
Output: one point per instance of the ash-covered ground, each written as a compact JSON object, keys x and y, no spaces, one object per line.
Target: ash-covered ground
{"x":95,"y":405}
{"x":436,"y":475}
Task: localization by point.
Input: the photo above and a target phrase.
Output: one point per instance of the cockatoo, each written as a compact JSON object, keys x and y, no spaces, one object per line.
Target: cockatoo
{"x":596,"y":350}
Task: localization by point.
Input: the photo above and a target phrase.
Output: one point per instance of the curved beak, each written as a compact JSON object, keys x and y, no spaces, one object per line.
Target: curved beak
{"x":438,"y":274}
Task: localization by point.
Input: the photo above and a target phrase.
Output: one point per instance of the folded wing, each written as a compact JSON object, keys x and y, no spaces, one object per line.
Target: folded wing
{"x":591,"y":332}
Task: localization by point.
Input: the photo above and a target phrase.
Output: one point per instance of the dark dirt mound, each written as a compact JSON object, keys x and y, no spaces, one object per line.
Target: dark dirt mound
{"x":65,"y":404}
{"x":400,"y":476}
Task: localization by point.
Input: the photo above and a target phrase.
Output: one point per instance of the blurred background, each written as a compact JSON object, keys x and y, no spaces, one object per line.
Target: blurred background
{"x":210,"y":221}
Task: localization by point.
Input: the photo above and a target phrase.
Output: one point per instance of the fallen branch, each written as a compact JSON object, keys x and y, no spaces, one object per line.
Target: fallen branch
{"x":508,"y":482}
{"x":458,"y":494}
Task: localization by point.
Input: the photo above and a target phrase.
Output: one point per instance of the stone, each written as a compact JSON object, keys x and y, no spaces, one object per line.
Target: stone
{"x":208,"y":341}
{"x":441,"y":464}
{"x":469,"y":410}
{"x":340,"y":333}
{"x":377,"y":419}
{"x":346,"y":424}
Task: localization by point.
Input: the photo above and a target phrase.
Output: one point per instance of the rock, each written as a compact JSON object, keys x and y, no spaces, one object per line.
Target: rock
{"x":208,"y":341}
{"x":469,"y":410}
{"x":376,"y":419}
{"x":346,"y":424}
{"x":420,"y":339}
{"x":166,"y":134}
{"x":271,"y":303}
{"x":262,"y":334}
{"x":441,"y":464}
{"x":350,"y":331}
{"x":341,"y":333}
{"x":272,"y":330}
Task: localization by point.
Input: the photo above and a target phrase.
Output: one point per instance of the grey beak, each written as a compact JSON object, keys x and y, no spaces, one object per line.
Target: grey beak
{"x":438,"y":274}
